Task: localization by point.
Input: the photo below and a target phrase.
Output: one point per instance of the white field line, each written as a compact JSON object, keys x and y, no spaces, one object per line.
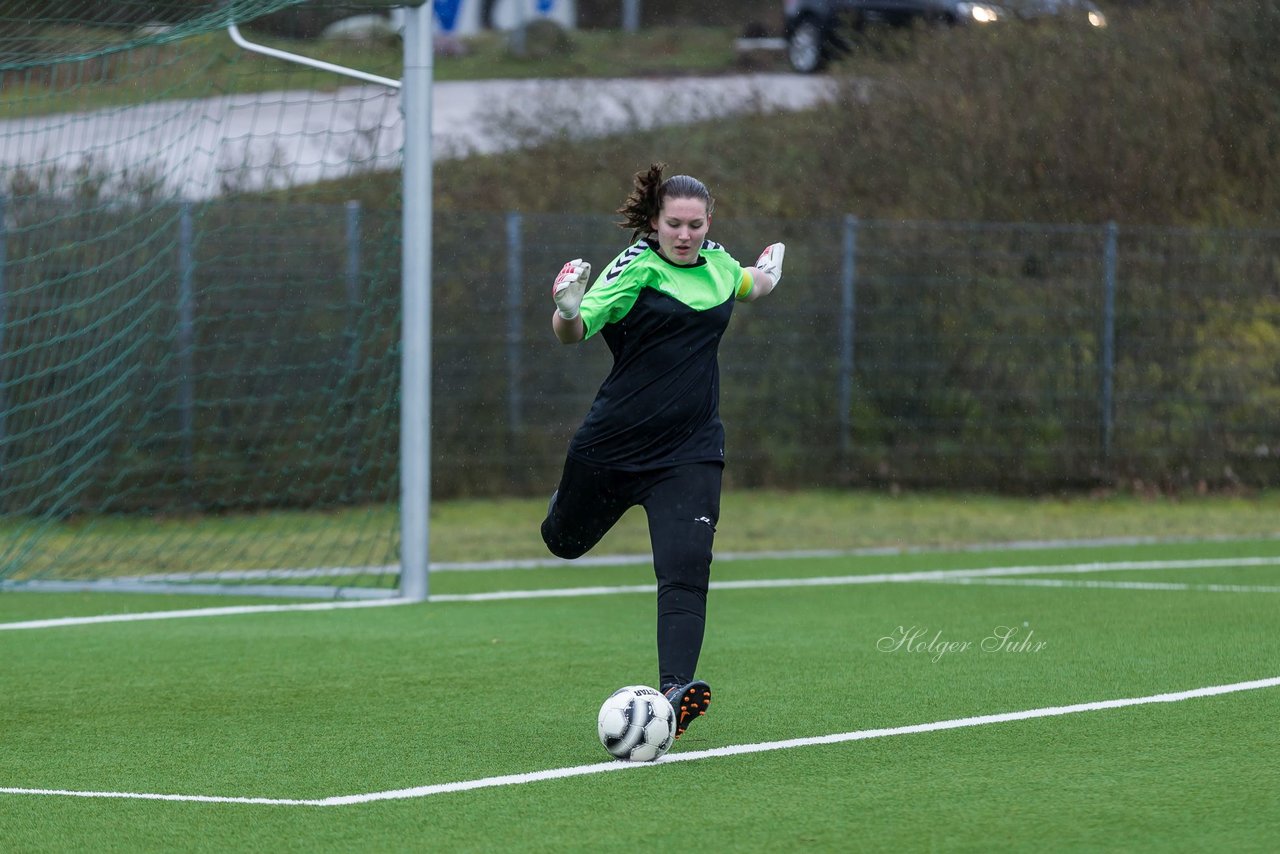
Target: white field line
{"x":225,"y":611}
{"x":263,"y":574}
{"x":641,"y":559}
{"x":867,"y":551}
{"x":926,"y":575}
{"x":692,"y":756}
{"x":1114,"y":585}
{"x":934,"y":575}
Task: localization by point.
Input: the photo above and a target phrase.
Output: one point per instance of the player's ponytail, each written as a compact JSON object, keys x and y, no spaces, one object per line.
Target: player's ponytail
{"x":643,"y":204}
{"x":645,"y":201}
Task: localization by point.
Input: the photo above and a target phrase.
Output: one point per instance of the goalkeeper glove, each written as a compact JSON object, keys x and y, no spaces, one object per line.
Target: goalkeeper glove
{"x":770,"y":262}
{"x":570,"y":285}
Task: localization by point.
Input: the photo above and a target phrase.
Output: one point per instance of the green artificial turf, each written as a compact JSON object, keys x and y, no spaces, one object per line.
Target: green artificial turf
{"x":317,"y":704}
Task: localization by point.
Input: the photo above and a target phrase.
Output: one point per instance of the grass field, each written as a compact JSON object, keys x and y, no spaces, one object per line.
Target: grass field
{"x":862,"y":703}
{"x":753,"y":521}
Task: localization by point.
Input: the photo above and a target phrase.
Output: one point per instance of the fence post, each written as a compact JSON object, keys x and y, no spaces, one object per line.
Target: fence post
{"x":630,"y":16}
{"x":186,"y":340}
{"x":351,"y":281}
{"x":515,"y":333}
{"x":1106,"y":364}
{"x":4,"y":322}
{"x":351,"y":335}
{"x":848,"y":305}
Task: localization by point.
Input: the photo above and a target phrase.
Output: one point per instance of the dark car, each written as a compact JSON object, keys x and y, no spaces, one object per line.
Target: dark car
{"x":815,"y":29}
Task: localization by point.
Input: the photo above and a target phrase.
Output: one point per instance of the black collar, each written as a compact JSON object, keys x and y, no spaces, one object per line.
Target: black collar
{"x":653,"y":244}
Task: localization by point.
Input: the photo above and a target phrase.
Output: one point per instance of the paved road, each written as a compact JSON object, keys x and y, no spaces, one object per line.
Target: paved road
{"x":203,"y":148}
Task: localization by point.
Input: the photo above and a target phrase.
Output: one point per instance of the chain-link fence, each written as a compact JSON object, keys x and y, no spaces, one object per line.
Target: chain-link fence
{"x":972,"y":355}
{"x":247,"y":355}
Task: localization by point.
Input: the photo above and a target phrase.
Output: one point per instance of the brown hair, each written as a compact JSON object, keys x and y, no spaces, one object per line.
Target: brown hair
{"x":645,"y":201}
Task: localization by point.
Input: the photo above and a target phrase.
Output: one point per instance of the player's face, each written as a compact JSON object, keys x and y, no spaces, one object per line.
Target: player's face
{"x":681,"y":227}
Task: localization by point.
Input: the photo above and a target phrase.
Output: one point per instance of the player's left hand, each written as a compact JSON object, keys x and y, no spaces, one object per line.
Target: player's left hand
{"x":770,"y":262}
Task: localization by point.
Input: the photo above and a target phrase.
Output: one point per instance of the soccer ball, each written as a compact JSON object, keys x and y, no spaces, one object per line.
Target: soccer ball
{"x":637,"y":724}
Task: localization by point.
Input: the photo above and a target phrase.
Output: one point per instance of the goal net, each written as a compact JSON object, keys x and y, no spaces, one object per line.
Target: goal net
{"x":199,"y":356}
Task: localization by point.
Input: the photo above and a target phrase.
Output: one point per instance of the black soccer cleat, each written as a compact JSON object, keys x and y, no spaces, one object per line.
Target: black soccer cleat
{"x":689,"y":701}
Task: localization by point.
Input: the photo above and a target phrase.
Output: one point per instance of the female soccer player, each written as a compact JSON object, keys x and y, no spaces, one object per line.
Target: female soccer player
{"x":653,"y":436}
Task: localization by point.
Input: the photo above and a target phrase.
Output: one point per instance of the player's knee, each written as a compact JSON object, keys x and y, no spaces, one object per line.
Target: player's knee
{"x":567,"y":551}
{"x":687,"y":596}
{"x":561,"y":546}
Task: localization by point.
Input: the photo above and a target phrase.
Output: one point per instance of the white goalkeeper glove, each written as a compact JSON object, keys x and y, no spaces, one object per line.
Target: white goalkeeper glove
{"x":570,"y":285}
{"x":770,"y":262}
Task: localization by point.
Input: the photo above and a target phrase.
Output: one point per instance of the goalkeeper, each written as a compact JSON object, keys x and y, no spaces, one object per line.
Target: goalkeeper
{"x":653,"y":436}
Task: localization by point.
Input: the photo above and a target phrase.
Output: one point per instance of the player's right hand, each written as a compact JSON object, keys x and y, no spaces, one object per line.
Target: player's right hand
{"x":570,"y":285}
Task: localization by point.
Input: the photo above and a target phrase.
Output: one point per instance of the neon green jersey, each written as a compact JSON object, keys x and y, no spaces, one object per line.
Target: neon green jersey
{"x":706,"y":284}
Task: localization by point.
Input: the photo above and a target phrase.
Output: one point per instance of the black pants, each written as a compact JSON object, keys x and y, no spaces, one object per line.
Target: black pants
{"x":683,"y":506}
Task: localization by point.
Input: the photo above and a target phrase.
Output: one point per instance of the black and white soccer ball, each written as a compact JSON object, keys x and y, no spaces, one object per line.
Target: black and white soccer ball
{"x":637,"y":724}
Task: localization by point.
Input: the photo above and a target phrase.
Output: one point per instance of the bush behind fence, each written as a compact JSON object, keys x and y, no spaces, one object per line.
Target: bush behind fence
{"x":231,"y":356}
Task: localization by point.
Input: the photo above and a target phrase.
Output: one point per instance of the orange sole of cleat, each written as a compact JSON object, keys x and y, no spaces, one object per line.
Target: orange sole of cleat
{"x":693,"y":703}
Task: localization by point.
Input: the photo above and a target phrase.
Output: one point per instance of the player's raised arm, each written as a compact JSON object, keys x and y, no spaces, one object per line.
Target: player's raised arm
{"x":567,"y":293}
{"x":767,"y":272}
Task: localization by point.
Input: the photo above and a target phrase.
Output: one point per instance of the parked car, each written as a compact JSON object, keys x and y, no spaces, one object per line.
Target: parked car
{"x":816,"y":30}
